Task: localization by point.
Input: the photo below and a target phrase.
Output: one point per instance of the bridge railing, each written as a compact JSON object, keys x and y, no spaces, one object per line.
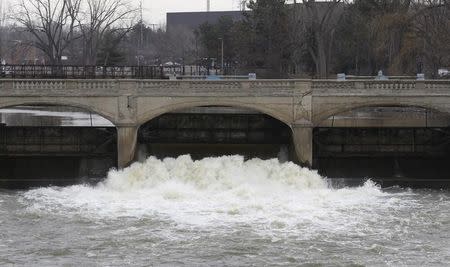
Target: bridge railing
{"x":81,"y":72}
{"x":398,"y":86}
{"x":216,"y":87}
{"x":356,"y":77}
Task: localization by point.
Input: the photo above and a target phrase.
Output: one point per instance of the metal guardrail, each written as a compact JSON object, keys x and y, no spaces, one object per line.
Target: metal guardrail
{"x":156,"y":72}
{"x":206,"y":77}
{"x":81,"y":72}
{"x":354,"y":77}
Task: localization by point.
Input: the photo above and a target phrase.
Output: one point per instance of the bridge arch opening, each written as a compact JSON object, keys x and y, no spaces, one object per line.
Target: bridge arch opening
{"x":401,"y":143}
{"x":60,"y":102}
{"x":205,"y":131}
{"x":47,"y":144}
{"x":385,"y":113}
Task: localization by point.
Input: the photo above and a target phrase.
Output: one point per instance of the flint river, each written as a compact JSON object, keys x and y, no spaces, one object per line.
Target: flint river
{"x":223,"y":212}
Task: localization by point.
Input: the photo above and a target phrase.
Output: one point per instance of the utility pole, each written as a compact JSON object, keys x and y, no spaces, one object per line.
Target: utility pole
{"x":2,"y":14}
{"x":141,"y":22}
{"x":141,"y":34}
{"x":2,"y":23}
{"x":208,"y":5}
{"x":153,"y":25}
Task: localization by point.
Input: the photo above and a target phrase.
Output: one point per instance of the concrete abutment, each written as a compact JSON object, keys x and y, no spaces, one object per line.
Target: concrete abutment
{"x":126,"y":145}
{"x":302,"y":134}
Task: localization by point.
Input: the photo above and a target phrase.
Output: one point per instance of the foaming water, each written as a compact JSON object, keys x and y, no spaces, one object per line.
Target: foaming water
{"x":215,"y":191}
{"x":224,"y":211}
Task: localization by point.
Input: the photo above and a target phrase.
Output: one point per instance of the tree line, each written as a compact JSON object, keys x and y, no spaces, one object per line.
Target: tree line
{"x":86,"y":32}
{"x":305,"y":38}
{"x":320,"y":39}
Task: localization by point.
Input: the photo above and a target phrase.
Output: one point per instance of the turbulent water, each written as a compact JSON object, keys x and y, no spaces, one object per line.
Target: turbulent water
{"x":223,"y":212}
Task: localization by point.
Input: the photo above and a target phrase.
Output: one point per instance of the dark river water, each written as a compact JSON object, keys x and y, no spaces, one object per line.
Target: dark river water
{"x":223,"y":212}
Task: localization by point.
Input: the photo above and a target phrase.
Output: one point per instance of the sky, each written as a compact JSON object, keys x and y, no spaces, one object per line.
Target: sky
{"x":155,"y":10}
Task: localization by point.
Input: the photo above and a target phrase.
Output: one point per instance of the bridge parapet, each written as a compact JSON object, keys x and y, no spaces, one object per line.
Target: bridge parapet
{"x":39,"y":85}
{"x":390,"y":85}
{"x":437,"y":85}
{"x":69,"y":88}
{"x":217,"y":88}
{"x":118,"y":87}
{"x":226,"y":87}
{"x":379,"y":88}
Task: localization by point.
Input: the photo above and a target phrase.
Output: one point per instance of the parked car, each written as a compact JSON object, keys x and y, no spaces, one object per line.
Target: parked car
{"x":6,"y":70}
{"x":444,"y":73}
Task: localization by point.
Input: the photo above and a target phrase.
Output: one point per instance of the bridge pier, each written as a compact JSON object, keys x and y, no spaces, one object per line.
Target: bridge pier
{"x":302,"y":134}
{"x":126,"y":145}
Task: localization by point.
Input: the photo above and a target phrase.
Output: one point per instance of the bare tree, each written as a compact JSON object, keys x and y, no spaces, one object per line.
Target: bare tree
{"x":243,"y":4}
{"x":103,"y":17}
{"x":52,"y":24}
{"x":318,"y":23}
{"x":432,"y":26}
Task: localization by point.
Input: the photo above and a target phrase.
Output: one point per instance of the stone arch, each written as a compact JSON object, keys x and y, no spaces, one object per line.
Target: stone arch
{"x":342,"y":108}
{"x":301,"y":134}
{"x":62,"y":103}
{"x":148,"y":116}
{"x":287,"y":121}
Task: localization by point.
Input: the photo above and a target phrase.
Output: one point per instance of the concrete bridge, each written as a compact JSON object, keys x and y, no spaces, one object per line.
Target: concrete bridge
{"x":301,"y":104}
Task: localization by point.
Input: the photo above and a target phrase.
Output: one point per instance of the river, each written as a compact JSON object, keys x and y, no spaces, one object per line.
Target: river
{"x":223,"y":212}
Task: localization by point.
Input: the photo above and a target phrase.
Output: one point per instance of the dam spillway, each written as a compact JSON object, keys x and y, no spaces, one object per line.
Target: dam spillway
{"x":41,"y":145}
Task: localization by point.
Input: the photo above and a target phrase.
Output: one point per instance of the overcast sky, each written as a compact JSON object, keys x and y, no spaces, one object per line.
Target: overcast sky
{"x":155,"y":10}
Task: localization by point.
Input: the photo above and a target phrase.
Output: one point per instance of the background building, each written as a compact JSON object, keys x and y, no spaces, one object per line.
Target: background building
{"x":191,"y":20}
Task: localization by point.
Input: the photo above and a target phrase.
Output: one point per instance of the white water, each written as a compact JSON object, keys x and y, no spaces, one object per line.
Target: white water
{"x":220,"y":191}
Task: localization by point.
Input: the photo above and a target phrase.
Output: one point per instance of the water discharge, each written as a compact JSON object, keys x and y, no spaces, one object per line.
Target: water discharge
{"x":230,"y":211}
{"x":211,"y":191}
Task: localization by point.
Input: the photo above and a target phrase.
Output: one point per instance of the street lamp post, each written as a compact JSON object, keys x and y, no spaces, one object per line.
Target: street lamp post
{"x":139,"y":59}
{"x":222,"y":65}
